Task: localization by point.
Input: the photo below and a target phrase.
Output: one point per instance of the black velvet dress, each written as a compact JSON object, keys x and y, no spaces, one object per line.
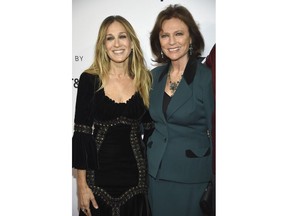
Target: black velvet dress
{"x":107,"y":143}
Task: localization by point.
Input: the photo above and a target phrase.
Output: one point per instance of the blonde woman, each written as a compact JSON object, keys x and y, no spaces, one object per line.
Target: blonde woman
{"x":111,"y":109}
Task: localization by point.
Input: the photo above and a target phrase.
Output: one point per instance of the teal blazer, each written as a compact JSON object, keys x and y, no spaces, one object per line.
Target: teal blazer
{"x":180,"y":147}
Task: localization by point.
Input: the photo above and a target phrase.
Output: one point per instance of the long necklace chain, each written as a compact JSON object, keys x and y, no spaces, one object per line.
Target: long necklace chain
{"x":173,"y":85}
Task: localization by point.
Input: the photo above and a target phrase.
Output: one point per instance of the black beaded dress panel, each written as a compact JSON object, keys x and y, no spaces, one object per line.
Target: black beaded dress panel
{"x":108,"y":144}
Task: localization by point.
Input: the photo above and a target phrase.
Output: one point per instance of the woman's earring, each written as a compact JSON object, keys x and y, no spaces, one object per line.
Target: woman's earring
{"x":190,"y":49}
{"x":162,"y":56}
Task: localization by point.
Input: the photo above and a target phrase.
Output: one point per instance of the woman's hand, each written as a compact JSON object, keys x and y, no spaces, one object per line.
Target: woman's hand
{"x":85,"y":194}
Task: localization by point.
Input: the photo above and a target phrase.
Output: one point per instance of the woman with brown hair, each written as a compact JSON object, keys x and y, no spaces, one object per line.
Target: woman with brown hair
{"x":179,"y":151}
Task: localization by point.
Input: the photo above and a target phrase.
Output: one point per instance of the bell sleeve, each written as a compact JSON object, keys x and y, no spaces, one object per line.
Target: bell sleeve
{"x":83,"y":152}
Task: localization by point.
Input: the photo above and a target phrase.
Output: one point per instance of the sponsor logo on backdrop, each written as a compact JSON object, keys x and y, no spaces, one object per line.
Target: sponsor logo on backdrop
{"x":75,"y":82}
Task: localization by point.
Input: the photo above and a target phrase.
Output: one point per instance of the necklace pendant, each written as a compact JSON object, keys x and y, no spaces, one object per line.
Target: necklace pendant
{"x":173,"y":86}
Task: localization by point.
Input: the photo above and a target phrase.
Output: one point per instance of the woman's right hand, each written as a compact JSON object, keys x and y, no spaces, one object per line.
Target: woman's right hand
{"x":85,"y":195}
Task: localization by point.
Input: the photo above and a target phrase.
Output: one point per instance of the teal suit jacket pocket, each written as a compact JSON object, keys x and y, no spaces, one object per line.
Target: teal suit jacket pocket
{"x":180,"y":161}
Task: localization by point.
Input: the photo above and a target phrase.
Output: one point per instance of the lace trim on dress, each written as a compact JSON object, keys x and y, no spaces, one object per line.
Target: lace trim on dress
{"x":83,"y":128}
{"x":116,"y":203}
{"x":148,"y":125}
{"x":104,"y":126}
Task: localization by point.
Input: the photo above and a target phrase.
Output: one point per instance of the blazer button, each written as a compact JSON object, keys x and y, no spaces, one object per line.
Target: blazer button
{"x":165,"y":139}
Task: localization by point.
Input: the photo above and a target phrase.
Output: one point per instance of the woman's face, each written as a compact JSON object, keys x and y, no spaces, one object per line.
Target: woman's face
{"x":117,"y":43}
{"x":175,"y":39}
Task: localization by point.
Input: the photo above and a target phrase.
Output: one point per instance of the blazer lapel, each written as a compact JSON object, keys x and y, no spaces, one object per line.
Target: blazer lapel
{"x":182,"y":94}
{"x":184,"y":91}
{"x":156,"y":97}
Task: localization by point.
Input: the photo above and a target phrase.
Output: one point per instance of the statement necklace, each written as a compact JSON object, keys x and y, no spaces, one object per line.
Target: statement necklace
{"x":173,"y":85}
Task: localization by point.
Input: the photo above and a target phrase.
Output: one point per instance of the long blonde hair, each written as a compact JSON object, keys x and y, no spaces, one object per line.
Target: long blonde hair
{"x":136,"y":66}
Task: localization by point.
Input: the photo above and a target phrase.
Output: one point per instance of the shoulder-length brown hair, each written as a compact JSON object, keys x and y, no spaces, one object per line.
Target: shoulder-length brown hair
{"x":182,"y":13}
